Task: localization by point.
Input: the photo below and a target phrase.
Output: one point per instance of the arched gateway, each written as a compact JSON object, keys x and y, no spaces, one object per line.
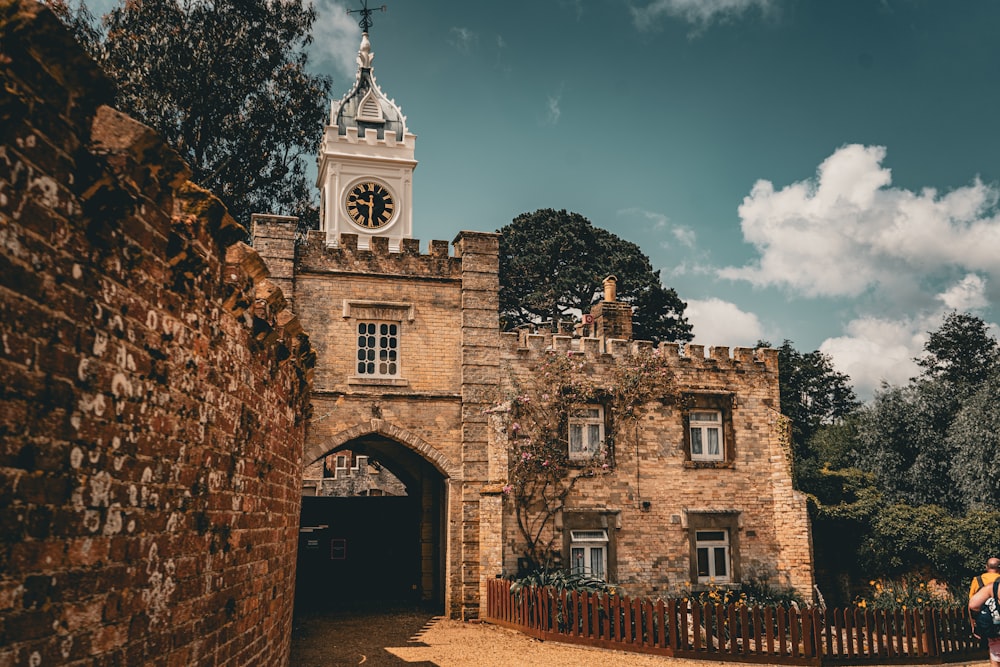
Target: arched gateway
{"x":378,"y":429}
{"x":373,"y":539}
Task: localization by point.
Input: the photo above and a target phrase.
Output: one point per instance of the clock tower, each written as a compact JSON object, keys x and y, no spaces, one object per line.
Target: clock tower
{"x":366,"y":164}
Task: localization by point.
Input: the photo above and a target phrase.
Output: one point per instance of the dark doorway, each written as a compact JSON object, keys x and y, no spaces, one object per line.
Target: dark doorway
{"x":358,"y":552}
{"x":374,"y":551}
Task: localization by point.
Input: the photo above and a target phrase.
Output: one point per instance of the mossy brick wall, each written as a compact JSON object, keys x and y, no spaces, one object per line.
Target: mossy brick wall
{"x":153,"y":390}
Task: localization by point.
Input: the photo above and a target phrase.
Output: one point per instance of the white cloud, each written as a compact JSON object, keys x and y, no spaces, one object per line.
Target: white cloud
{"x":696,"y":12}
{"x":336,"y":37}
{"x":876,"y":350}
{"x":848,"y":232}
{"x":879,"y":349}
{"x":697,"y":266}
{"x":552,"y":108}
{"x":967,"y":295}
{"x":463,"y":39}
{"x":718,"y":322}
{"x":659,"y":220}
{"x":906,"y":257}
{"x":682,"y":234}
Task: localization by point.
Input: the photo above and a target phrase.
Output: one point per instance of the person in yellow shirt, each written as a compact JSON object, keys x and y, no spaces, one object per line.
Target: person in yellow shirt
{"x":991,"y":574}
{"x":979,"y":582}
{"x":976,"y":602}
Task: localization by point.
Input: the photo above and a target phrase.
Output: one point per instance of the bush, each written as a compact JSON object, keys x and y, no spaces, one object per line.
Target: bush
{"x":560,"y":580}
{"x":760,"y":592}
{"x":906,"y":593}
{"x":752,"y":592}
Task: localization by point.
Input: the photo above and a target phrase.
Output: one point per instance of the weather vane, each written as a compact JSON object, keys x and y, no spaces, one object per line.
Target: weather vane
{"x":366,"y":14}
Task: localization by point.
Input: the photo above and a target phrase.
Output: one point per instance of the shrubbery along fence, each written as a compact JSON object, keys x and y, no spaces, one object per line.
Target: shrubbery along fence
{"x":689,"y":629}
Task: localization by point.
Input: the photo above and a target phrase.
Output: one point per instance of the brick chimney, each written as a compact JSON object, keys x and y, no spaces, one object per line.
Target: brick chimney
{"x":612,"y":319}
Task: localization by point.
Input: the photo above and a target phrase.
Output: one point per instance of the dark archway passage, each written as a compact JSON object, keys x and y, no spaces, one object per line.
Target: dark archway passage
{"x":375,"y":551}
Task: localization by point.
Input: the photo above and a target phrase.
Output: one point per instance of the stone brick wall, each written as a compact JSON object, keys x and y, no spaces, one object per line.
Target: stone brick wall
{"x":424,"y":291}
{"x":655,"y":495}
{"x":355,"y":476}
{"x":479,"y":253}
{"x":153,"y":390}
{"x":446,"y":306}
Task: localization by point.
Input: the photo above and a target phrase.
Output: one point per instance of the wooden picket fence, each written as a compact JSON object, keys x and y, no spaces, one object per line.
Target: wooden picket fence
{"x":735,"y":633}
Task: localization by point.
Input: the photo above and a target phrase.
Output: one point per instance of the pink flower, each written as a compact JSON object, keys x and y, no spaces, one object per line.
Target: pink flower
{"x":545,"y":462}
{"x":507,"y":488}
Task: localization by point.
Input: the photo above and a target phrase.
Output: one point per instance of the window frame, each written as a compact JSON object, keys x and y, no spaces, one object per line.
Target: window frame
{"x":355,"y":311}
{"x":599,"y":420}
{"x":722,"y":403}
{"x":589,"y":545}
{"x":591,"y":520}
{"x":704,"y":428}
{"x":711,"y":548}
{"x":712,"y":521}
{"x":379,"y":336}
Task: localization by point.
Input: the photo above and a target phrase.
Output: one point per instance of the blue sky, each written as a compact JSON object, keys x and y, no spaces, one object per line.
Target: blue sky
{"x":825,"y":172}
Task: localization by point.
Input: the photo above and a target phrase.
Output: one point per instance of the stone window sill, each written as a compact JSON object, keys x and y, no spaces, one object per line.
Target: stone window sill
{"x":378,"y":382}
{"x":708,"y":464}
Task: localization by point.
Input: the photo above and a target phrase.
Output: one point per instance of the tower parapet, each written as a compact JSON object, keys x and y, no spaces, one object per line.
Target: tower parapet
{"x":274,"y":238}
{"x":528,"y":345}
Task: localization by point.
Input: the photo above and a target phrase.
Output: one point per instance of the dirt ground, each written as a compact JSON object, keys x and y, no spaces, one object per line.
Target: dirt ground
{"x":420,"y":639}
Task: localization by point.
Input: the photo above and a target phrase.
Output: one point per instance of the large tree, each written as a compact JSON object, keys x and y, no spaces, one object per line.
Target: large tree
{"x":226,"y":83}
{"x":928,"y":448}
{"x":908,"y":482}
{"x":925,"y":442}
{"x":817,"y":399}
{"x":960,"y":353}
{"x":813,"y":393}
{"x":552,"y":267}
{"x":974,"y":437}
{"x":902,"y":443}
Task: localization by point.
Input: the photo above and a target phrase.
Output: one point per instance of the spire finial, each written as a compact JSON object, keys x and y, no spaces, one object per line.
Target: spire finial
{"x":366,"y":15}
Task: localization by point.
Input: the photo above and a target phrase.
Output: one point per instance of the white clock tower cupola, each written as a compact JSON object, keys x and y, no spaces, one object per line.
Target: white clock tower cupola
{"x":366,"y":163}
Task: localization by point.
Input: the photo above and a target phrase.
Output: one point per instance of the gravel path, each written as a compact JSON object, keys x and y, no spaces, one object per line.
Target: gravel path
{"x":419,"y":639}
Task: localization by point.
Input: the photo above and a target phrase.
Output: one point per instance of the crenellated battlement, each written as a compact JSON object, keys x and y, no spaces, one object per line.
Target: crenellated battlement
{"x":312,"y":254}
{"x":351,"y":135}
{"x":528,"y":344}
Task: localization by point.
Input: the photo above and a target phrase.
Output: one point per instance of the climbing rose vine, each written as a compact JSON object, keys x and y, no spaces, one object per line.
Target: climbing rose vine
{"x":533,"y":416}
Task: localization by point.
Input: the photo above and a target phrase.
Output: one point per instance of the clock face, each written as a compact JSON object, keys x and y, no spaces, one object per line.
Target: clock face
{"x":370,"y":205}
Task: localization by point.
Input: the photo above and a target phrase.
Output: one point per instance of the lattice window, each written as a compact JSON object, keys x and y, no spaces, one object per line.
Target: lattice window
{"x":378,"y":349}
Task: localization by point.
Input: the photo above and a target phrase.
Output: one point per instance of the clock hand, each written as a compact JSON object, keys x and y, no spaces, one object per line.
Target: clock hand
{"x":371,"y":209}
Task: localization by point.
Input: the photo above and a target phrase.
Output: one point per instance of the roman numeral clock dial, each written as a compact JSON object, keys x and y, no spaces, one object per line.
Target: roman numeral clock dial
{"x":370,"y":205}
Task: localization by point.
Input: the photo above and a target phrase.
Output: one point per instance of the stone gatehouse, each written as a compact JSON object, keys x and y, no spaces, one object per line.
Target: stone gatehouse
{"x":410,"y":357}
